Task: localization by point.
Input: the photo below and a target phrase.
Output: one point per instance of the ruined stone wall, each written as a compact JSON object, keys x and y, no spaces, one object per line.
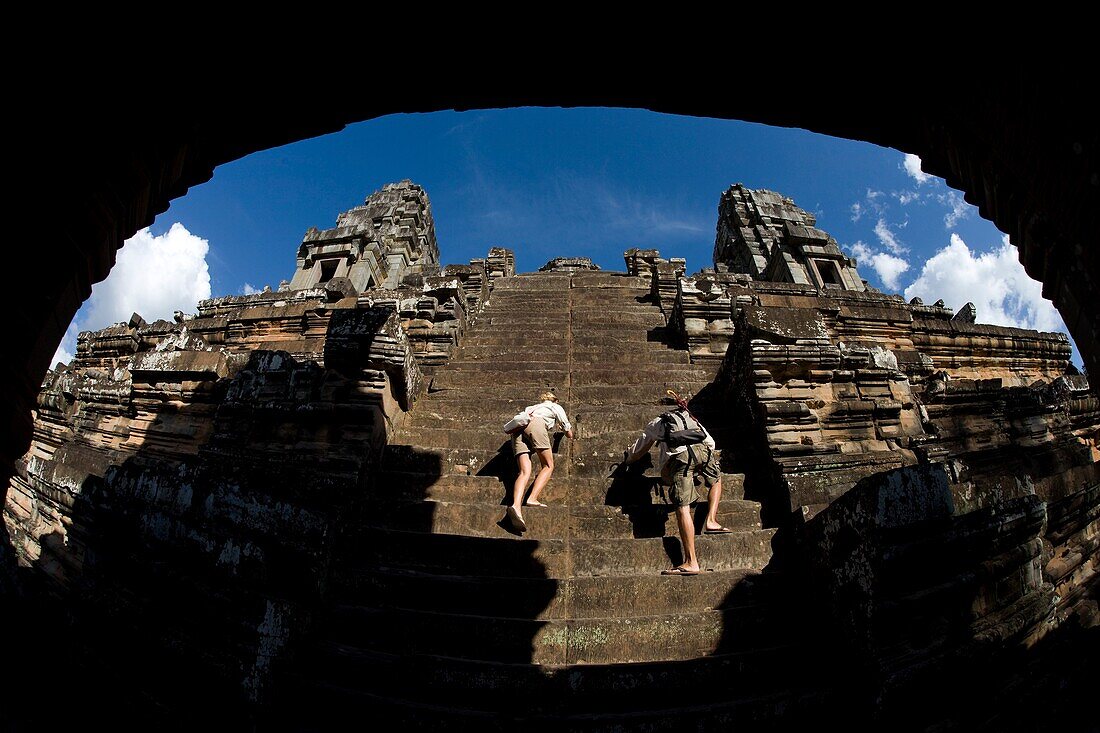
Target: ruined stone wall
{"x":378,"y":244}
{"x":846,"y":378}
{"x":842,"y":387}
{"x":433,"y":315}
{"x":702,"y":313}
{"x":186,"y":478}
{"x":931,"y":595}
{"x":475,"y":286}
{"x":664,"y":276}
{"x":763,"y":234}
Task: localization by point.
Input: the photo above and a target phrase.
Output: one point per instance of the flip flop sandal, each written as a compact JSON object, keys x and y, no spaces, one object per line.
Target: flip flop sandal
{"x":680,"y":571}
{"x":720,"y":530}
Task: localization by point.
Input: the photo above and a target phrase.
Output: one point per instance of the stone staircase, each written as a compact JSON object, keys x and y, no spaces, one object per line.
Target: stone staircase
{"x":445,"y":616}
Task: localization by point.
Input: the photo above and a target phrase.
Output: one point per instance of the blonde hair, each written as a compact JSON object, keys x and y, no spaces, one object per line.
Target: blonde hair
{"x":548,"y":396}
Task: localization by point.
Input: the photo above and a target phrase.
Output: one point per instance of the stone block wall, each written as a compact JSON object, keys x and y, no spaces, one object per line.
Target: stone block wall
{"x":378,"y":244}
{"x":186,"y":479}
{"x":933,"y":595}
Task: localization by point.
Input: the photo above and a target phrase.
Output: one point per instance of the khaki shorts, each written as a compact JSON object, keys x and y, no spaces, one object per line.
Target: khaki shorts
{"x":533,"y":437}
{"x":682,"y":478}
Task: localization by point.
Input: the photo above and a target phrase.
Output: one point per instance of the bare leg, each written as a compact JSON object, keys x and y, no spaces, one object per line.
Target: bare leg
{"x":713,"y":497}
{"x":524,"y":462}
{"x":687,"y":538}
{"x":546,"y":456}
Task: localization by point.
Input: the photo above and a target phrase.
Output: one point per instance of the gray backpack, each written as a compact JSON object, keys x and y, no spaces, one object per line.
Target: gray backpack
{"x":681,"y":428}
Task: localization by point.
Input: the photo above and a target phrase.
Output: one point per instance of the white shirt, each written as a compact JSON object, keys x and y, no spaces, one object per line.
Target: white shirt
{"x":550,"y":412}
{"x":655,"y":431}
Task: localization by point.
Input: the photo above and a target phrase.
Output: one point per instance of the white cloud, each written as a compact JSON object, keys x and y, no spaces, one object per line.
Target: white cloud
{"x":873,"y":204}
{"x":911,"y":164}
{"x":860,"y":250}
{"x":994,"y":281}
{"x":250,"y":289}
{"x":887,"y":238}
{"x":153,"y":276}
{"x":907,"y":197}
{"x":959,"y":208}
{"x":888,"y":267}
{"x":66,"y":350}
{"x":61,"y":355}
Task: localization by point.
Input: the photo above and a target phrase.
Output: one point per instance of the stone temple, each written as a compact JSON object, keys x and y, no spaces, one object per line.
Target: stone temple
{"x":290,"y":505}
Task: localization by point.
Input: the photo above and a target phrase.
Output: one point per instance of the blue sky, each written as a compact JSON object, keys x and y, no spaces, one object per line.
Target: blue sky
{"x":577,"y":182}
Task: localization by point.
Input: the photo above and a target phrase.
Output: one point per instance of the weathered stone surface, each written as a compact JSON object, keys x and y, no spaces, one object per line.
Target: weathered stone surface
{"x":206,"y":481}
{"x":374,"y":245}
{"x":475,"y":286}
{"x":212,"y":458}
{"x":967,"y":314}
{"x":500,"y":262}
{"x":763,"y":234}
{"x":569,"y":264}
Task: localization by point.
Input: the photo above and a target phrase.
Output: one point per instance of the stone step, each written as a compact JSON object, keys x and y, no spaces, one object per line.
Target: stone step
{"x":528,"y":281}
{"x":751,"y":690}
{"x":507,"y":322}
{"x":558,"y":520}
{"x":667,"y":637}
{"x":643,"y":392}
{"x":544,"y":343}
{"x":610,"y":329}
{"x":462,"y":406}
{"x":588,"y":421}
{"x":512,"y":361}
{"x":609,"y":445}
{"x":545,"y":340}
{"x":597,"y":312}
{"x":612,"y":339}
{"x":544,"y":598}
{"x":549,"y":320}
{"x":609,"y":371}
{"x":592,"y":282}
{"x":429,"y":460}
{"x":630,"y":374}
{"x":589,"y":457}
{"x":448,"y":391}
{"x":644,"y":396}
{"x":634,"y":490}
{"x":528,"y":289}
{"x":475,"y":376}
{"x":596,"y":301}
{"x":526,"y":359}
{"x":573,"y":399}
{"x":448,"y":379}
{"x":639,"y":351}
{"x":643,"y":353}
{"x":534,"y":306}
{"x":458,"y":441}
{"x":509,"y":556}
{"x":531,"y":281}
{"x":491,"y":437}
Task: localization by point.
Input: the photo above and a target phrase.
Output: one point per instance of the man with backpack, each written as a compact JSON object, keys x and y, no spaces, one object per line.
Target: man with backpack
{"x":687,"y":456}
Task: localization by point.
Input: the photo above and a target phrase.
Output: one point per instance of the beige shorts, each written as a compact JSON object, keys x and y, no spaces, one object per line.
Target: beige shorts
{"x":682,"y":478}
{"x":533,"y":437}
